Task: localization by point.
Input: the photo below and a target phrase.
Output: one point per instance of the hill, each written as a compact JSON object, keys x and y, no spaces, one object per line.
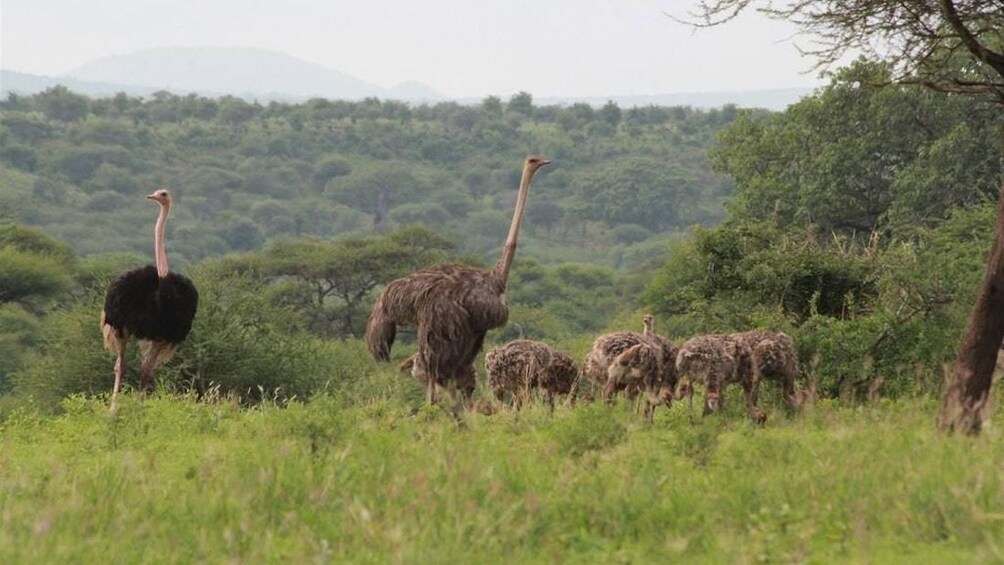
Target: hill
{"x":234,"y":70}
{"x":259,"y":74}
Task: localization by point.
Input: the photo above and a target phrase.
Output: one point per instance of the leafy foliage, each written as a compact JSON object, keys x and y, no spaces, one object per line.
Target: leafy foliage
{"x":34,"y":268}
{"x":243,"y":173}
{"x":830,"y":160}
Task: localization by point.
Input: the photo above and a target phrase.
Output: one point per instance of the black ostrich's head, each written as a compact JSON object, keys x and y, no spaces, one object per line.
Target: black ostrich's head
{"x":162,"y":196}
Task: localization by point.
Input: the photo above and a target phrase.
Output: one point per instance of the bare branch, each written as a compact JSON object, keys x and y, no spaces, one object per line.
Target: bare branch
{"x":955,"y":44}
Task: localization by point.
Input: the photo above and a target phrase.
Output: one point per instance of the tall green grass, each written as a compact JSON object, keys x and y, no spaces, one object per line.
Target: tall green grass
{"x":376,"y":478}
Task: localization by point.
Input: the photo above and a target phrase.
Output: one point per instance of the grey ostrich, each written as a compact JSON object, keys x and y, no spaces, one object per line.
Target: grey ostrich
{"x":711,"y":359}
{"x":743,"y":357}
{"x":635,"y":363}
{"x":767,"y":355}
{"x":605,"y":349}
{"x":522,"y":365}
{"x":453,"y":306}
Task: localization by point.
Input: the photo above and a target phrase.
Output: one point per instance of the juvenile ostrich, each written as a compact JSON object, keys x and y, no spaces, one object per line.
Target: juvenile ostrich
{"x":453,"y":306}
{"x":522,"y":365}
{"x":605,"y":349}
{"x":767,"y":355}
{"x":634,"y":363}
{"x":713,"y":360}
{"x":151,"y":304}
{"x":561,"y":377}
{"x":639,"y":369}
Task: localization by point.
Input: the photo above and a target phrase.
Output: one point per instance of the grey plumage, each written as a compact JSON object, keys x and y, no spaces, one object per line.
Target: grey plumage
{"x":521,"y":366}
{"x":635,"y":363}
{"x":743,"y":357}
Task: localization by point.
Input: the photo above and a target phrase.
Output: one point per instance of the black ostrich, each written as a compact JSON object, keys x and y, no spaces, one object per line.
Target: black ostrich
{"x":151,"y":304}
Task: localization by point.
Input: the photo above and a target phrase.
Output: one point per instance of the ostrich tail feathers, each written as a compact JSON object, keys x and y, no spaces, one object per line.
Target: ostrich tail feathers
{"x":108,"y":333}
{"x":380,"y":333}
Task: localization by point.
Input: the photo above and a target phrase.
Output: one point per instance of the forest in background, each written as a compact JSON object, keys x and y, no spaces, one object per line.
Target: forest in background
{"x":244,"y":173}
{"x":858,"y":220}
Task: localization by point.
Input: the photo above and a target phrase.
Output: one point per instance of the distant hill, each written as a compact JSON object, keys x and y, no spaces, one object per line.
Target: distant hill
{"x":259,"y":74}
{"x":25,"y":83}
{"x":236,"y":70}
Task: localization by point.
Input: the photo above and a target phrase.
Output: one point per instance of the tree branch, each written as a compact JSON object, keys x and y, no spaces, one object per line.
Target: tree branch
{"x":979,"y":50}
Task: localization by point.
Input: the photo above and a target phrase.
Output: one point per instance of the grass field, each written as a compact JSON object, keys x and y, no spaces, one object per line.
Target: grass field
{"x":381,"y":479}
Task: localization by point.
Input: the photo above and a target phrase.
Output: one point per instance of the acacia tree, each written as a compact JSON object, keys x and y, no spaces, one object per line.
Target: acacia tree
{"x":333,"y":279}
{"x":948,"y":45}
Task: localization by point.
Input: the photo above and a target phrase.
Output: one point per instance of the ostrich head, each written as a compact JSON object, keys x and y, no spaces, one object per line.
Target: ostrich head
{"x":648,"y":320}
{"x":713,"y":400}
{"x":162,"y":196}
{"x":534,"y":162}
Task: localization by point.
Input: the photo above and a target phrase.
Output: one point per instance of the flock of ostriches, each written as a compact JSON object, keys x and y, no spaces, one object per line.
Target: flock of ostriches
{"x":452,"y":307}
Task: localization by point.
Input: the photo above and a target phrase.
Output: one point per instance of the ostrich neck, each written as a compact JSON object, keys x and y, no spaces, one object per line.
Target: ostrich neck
{"x":509,"y":250}
{"x":158,"y":241}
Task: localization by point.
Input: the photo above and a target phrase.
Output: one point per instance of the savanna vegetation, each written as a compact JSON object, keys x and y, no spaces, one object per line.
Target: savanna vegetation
{"x":364,"y":477}
{"x":274,"y":436}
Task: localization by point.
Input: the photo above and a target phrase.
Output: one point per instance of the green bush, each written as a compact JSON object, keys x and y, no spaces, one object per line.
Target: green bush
{"x":71,"y":358}
{"x":589,"y":428}
{"x":241,"y":344}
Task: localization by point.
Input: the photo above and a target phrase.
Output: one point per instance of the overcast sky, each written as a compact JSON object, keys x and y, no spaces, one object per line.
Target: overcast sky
{"x":458,"y":47}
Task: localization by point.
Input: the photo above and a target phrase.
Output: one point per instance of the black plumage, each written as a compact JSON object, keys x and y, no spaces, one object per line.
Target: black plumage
{"x":140,"y":304}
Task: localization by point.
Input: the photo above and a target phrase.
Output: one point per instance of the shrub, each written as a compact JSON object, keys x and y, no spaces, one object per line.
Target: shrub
{"x":589,"y":428}
{"x":630,"y":233}
{"x":241,"y":344}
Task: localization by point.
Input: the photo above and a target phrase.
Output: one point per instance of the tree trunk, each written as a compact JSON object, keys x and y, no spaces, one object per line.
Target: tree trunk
{"x":380,"y":209}
{"x":966,"y":400}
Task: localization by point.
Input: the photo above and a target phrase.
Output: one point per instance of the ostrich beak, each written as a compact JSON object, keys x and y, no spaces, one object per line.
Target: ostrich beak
{"x":545,"y":162}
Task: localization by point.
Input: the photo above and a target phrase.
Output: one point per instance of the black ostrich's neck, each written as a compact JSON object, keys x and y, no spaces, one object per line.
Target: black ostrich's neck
{"x":158,"y":242}
{"x":509,"y":250}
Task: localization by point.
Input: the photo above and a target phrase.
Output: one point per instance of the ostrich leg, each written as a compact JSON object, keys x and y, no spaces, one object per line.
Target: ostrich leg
{"x":154,"y":353}
{"x":751,"y":386}
{"x":120,"y":345}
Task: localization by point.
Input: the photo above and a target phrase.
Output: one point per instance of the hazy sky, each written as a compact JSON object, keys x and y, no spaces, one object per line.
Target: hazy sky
{"x":458,"y":47}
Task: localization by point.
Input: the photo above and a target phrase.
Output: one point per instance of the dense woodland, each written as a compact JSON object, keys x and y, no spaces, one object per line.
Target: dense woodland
{"x":858,"y":220}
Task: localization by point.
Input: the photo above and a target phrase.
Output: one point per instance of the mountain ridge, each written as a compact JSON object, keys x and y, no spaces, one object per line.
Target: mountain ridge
{"x":264,"y":75}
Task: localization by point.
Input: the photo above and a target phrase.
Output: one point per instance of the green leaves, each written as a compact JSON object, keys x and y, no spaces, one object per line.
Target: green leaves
{"x":651,"y":193}
{"x":862,"y":155}
{"x":34,"y":268}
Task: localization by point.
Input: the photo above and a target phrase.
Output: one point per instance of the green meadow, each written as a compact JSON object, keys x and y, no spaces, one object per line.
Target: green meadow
{"x":376,"y":477}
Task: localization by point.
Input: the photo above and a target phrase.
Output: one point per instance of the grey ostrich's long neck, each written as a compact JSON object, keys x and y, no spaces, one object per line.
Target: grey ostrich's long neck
{"x":509,"y":250}
{"x":158,"y":241}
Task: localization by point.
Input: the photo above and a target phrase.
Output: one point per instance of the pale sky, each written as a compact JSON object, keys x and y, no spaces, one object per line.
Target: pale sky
{"x":461,"y":48}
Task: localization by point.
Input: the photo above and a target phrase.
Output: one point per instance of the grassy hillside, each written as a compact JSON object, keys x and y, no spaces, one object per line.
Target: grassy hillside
{"x":375,"y":479}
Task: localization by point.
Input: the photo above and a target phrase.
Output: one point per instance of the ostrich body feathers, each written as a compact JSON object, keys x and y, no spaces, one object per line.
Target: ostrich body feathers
{"x":141,"y":304}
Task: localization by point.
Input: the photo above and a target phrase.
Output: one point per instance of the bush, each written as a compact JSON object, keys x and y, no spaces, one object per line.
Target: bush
{"x":241,"y":344}
{"x":71,"y":360}
{"x":20,"y":333}
{"x":589,"y":428}
{"x":629,"y":233}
